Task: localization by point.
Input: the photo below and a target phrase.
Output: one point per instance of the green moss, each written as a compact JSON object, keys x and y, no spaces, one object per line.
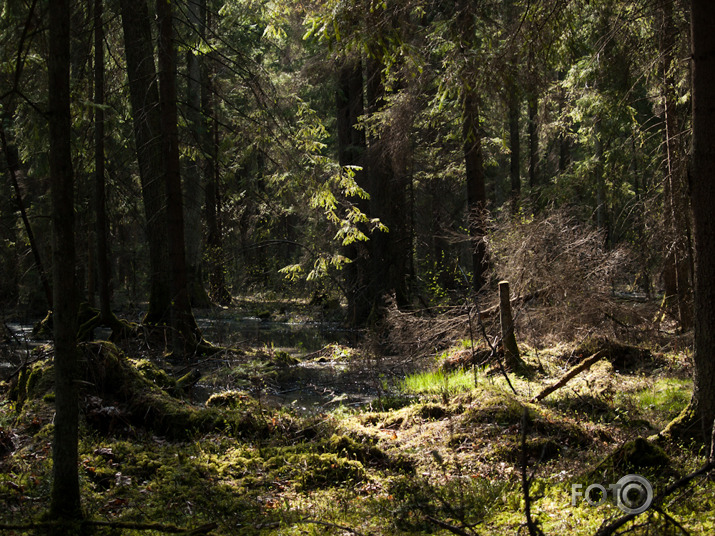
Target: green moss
{"x":32,"y":382}
{"x":495,"y":408}
{"x":638,"y":455}
{"x":349,"y":448}
{"x":154,"y":374}
{"x":230,"y":399}
{"x":187,"y":381}
{"x":284,"y":359}
{"x":43,"y":329}
{"x":311,"y":470}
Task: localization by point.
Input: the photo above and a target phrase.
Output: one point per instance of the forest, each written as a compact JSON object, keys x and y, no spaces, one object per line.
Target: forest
{"x":357,"y":267}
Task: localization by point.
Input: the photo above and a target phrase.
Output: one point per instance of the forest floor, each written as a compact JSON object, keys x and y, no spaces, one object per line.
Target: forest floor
{"x":274,"y":441}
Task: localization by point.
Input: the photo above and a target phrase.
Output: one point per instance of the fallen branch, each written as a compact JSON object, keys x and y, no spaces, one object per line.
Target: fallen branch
{"x":584,"y":365}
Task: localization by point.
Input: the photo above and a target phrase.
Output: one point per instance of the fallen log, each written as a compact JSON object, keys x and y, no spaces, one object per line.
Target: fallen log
{"x":574,"y":371}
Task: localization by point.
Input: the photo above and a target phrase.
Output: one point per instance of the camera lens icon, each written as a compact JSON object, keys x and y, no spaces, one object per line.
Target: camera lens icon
{"x":634,"y":494}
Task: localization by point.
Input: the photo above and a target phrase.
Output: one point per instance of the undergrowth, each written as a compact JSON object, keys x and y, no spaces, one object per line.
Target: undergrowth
{"x":441,"y":454}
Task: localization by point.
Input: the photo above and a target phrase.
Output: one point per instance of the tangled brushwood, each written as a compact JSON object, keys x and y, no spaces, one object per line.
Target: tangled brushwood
{"x":566,"y":283}
{"x":578,"y":283}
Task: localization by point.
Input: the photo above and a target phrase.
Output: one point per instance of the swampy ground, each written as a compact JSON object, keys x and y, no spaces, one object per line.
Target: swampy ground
{"x":298,"y":436}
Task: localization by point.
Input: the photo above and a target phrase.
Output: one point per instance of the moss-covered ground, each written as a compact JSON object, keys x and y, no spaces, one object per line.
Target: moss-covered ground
{"x":431,"y":453}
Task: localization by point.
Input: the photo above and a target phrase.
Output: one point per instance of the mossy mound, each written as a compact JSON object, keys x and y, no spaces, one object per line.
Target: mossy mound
{"x":549,"y":434}
{"x":284,"y":359}
{"x":433,"y":411}
{"x":538,"y":450}
{"x":622,"y":356}
{"x":276,"y":358}
{"x":638,"y":455}
{"x":498,"y":409}
{"x":32,"y":382}
{"x":229,"y":399}
{"x":407,"y":416}
{"x":6,"y":443}
{"x":120,"y":397}
{"x":364,"y":452}
{"x":312,"y":470}
{"x":117,"y":380}
{"x":155,"y":374}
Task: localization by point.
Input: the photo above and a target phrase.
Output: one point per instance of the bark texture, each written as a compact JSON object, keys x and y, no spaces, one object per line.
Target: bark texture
{"x":703,"y":200}
{"x":144,"y":97}
{"x":193,"y":190}
{"x":182,"y":320}
{"x":100,"y":203}
{"x":65,"y":497}
{"x":352,"y":148}
{"x":472,"y":147}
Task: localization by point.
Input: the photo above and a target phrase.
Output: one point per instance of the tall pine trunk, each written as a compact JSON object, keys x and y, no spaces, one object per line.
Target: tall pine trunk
{"x":703,"y":201}
{"x":218,"y":291}
{"x":65,"y":496}
{"x":11,"y":157}
{"x":100,"y":205}
{"x":472,"y":148}
{"x":514,"y":148}
{"x":476,"y":190}
{"x":193,"y":189}
{"x":144,"y":98}
{"x":185,"y":331}
{"x":533,"y":104}
{"x":389,"y":251}
{"x":678,"y":254}
{"x":697,"y":418}
{"x":352,"y":148}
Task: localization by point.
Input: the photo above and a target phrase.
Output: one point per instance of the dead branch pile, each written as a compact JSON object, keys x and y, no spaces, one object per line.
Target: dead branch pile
{"x":575,"y":275}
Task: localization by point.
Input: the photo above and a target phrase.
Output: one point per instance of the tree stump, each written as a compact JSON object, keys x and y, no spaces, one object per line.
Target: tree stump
{"x":512,"y":359}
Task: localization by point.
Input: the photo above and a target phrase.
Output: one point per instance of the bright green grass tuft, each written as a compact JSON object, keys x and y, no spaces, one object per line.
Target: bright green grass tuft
{"x":438,"y":382}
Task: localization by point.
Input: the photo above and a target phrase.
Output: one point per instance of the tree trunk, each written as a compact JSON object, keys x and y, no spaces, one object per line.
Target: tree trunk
{"x":184,"y":327}
{"x":703,"y":199}
{"x":515,"y":147}
{"x":65,"y":497}
{"x":214,"y":241}
{"x":677,"y":273}
{"x":472,"y":147}
{"x":193,"y":190}
{"x":476,"y":191}
{"x":100,"y":205}
{"x":599,"y":177}
{"x":512,"y":360}
{"x":218,"y":290}
{"x":352,"y":148}
{"x":389,"y":252}
{"x":533,"y":140}
{"x":144,"y":97}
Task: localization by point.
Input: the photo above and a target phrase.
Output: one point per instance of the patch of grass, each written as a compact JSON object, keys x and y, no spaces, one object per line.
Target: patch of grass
{"x":667,"y":395}
{"x":438,"y":383}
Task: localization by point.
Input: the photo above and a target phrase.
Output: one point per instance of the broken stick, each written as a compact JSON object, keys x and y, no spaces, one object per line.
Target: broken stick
{"x":583,"y":365}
